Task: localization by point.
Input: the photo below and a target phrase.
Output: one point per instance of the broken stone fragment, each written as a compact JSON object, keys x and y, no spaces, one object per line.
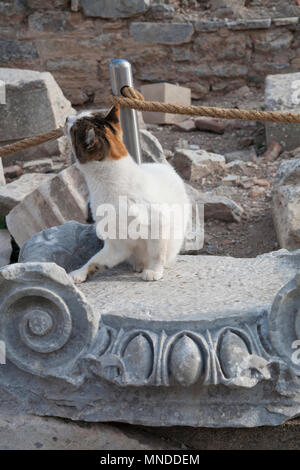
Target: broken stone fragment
{"x":30,"y":93}
{"x":194,"y":165}
{"x":230,"y":180}
{"x":246,"y":155}
{"x":221,"y":208}
{"x":13,"y":193}
{"x":282,"y":94}
{"x":13,"y":171}
{"x":41,"y":165}
{"x":210,"y":124}
{"x":273,"y":151}
{"x":69,"y":245}
{"x":152,"y":150}
{"x":256,"y":192}
{"x":28,"y":432}
{"x":286,"y":204}
{"x":5,"y":247}
{"x":64,"y":197}
{"x":261,"y":182}
{"x":186,"y":126}
{"x":216,"y":207}
{"x":236,"y":165}
{"x":2,"y":177}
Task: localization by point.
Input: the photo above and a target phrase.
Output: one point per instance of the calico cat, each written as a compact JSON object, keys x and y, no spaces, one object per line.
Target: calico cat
{"x":151,"y":188}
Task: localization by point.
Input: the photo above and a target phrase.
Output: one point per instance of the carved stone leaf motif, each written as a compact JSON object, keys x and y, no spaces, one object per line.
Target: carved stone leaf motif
{"x":186,"y":361}
{"x":239,"y":365}
{"x":233,"y":351}
{"x":138,"y":358}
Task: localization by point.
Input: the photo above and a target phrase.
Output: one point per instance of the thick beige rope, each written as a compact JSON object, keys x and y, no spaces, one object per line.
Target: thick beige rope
{"x":30,"y":142}
{"x":134,"y":100}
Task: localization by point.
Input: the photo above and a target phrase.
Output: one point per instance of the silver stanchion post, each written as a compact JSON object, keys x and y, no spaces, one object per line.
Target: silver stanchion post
{"x":120,"y":76}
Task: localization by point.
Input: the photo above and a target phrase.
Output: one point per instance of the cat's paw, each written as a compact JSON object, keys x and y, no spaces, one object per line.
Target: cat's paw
{"x":78,"y":276}
{"x":150,"y":275}
{"x":137,"y":267}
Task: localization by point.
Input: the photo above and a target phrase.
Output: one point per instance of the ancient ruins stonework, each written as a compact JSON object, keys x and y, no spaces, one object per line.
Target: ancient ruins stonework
{"x":210,"y":50}
{"x":213,"y":344}
{"x":35,"y":104}
{"x":283,"y":94}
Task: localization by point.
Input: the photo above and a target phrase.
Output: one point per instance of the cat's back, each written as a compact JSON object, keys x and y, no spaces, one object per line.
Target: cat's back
{"x":163,"y":182}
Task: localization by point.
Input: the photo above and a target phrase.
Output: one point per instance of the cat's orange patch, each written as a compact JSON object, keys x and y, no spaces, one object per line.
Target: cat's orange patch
{"x":117,"y":148}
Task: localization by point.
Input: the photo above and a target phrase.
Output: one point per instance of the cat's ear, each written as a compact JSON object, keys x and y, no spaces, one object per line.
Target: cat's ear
{"x":114,"y":115}
{"x":90,"y":138}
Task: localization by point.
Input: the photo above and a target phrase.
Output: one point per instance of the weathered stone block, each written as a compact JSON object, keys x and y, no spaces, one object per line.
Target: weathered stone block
{"x":263,"y":23}
{"x":216,"y":334}
{"x":246,"y":155}
{"x":13,"y":193}
{"x":282,"y":93}
{"x":285,"y":21}
{"x":211,"y":26}
{"x":12,"y":50}
{"x":160,"y":11}
{"x":28,"y":432}
{"x":193,"y":165}
{"x":34,"y":104}
{"x":114,"y":8}
{"x":166,"y":93}
{"x":63,"y":198}
{"x":161,"y":33}
{"x":220,"y":208}
{"x":152,"y":150}
{"x":54,"y":22}
{"x":270,"y":41}
{"x":2,"y":177}
{"x":5,"y":248}
{"x":286,"y":204}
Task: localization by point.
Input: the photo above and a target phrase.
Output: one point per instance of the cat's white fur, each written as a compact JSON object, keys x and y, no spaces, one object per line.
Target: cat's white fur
{"x":146,"y":184}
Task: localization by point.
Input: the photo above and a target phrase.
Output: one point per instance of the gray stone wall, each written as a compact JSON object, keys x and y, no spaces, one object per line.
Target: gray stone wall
{"x":198,"y":48}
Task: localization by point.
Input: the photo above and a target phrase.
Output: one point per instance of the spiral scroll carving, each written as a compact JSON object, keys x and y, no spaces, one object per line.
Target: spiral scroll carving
{"x":44,"y":320}
{"x":284,"y":322}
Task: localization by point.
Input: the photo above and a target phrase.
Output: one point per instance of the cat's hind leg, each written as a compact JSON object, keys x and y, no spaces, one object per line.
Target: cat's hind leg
{"x":113,"y":253}
{"x":138,"y":259}
{"x":154,"y":268}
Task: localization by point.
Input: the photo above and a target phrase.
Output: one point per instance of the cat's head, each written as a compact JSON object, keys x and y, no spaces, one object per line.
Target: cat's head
{"x":96,"y":137}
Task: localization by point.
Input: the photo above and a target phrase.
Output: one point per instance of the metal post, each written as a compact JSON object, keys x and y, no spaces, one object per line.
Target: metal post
{"x":120,"y":76}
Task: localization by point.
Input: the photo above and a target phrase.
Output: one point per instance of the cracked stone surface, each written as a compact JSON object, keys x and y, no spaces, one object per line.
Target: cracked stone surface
{"x":195,"y":287}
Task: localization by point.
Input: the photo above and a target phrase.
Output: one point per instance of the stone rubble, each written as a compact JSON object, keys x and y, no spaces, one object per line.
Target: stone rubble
{"x":13,"y":193}
{"x":62,"y":198}
{"x":210,"y":124}
{"x":41,"y":165}
{"x":13,"y":171}
{"x":282,"y":94}
{"x":194,"y":165}
{"x":247,"y":155}
{"x":5,"y":247}
{"x":273,"y":151}
{"x":2,"y":176}
{"x":36,"y":105}
{"x":152,"y":150}
{"x":286,"y":204}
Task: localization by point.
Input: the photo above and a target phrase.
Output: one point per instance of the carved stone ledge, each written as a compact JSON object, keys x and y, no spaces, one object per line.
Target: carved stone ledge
{"x":213,"y":344}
